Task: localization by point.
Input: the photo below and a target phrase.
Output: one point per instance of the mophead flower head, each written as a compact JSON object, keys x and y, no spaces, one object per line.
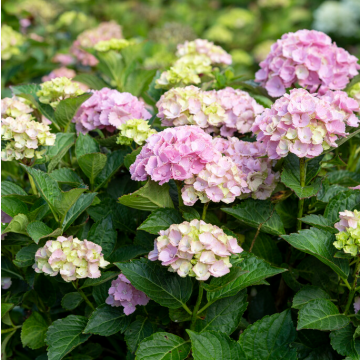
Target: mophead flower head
{"x":108,"y":109}
{"x":89,"y":38}
{"x":354,"y":92}
{"x":195,"y":249}
{"x":304,"y":123}
{"x":15,"y":107}
{"x":11,"y":41}
{"x":175,"y":153}
{"x":112,"y":44}
{"x":72,"y":258}
{"x":256,"y":169}
{"x":309,"y":58}
{"x":57,"y":89}
{"x":219,"y":181}
{"x":137,"y":130}
{"x":348,"y":238}
{"x":225,"y":111}
{"x":122,"y":293}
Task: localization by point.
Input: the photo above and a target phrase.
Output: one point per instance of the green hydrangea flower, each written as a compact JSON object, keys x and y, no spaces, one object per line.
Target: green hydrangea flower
{"x":137,"y":130}
{"x":113,"y":44}
{"x":53,"y":91}
{"x":11,"y":40}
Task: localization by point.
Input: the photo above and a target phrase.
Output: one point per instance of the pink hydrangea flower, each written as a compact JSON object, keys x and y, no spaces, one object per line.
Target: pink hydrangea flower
{"x":304,"y":124}
{"x":225,"y":111}
{"x":357,"y":304}
{"x":122,"y":293}
{"x":355,"y":188}
{"x":71,"y":257}
{"x":63,"y":59}
{"x":5,"y":283}
{"x":195,"y":249}
{"x":216,"y":54}
{"x":175,"y":153}
{"x":220,"y":181}
{"x":309,"y":58}
{"x":89,"y":38}
{"x":257,"y":171}
{"x":108,"y":109}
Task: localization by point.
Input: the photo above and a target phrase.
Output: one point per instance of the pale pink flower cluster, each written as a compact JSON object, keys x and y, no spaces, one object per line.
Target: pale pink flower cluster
{"x":304,"y":124}
{"x":309,"y":58}
{"x":229,"y":109}
{"x":89,"y":38}
{"x":122,"y":293}
{"x":219,"y":181}
{"x":108,"y":109}
{"x":5,"y":283}
{"x":357,"y":304}
{"x":255,"y":168}
{"x":63,"y":59}
{"x":175,"y":153}
{"x":216,"y":53}
{"x":195,"y":249}
{"x":71,"y":257}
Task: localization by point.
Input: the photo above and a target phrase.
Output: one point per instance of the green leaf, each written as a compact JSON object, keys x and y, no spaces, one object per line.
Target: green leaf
{"x":255,"y":271}
{"x":342,"y":340}
{"x":150,"y":197}
{"x":67,"y":176}
{"x":321,"y":314}
{"x":9,"y":188}
{"x":107,"y":320}
{"x":258,"y":212}
{"x":92,"y":164}
{"x":113,"y":163}
{"x":26,"y":256}
{"x":67,"y":108}
{"x":309,"y":293}
{"x":104,"y":234}
{"x":140,"y":329}
{"x":92,"y":81}
{"x":290,"y":177}
{"x":5,"y":308}
{"x":269,"y":338}
{"x":110,"y":63}
{"x":38,"y":230}
{"x":167,"y":289}
{"x":130,"y":158}
{"x":68,"y":199}
{"x":319,"y":244}
{"x":127,"y":252}
{"x":17,"y":225}
{"x":344,"y":178}
{"x":161,"y":219}
{"x":71,"y":301}
{"x":33,"y":331}
{"x":105,"y":276}
{"x":212,"y":345}
{"x":179,"y":315}
{"x":85,"y":144}
{"x":63,"y":142}
{"x":189,"y":213}
{"x":64,"y":335}
{"x":9,"y":269}
{"x":265,"y":247}
{"x":319,"y":222}
{"x":348,"y":200}
{"x":224,"y":315}
{"x":163,"y":346}
{"x":13,"y":206}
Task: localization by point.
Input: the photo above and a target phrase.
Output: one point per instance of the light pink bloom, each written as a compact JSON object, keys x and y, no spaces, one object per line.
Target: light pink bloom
{"x":357,"y":304}
{"x":309,"y":58}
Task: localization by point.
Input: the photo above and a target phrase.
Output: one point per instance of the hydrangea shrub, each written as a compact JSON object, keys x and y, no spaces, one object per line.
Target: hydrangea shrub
{"x":184,"y":213}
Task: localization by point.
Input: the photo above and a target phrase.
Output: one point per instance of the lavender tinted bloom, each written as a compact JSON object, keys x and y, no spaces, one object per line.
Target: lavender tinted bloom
{"x":122,"y":293}
{"x":108,"y":109}
{"x":5,"y":283}
{"x":195,"y":249}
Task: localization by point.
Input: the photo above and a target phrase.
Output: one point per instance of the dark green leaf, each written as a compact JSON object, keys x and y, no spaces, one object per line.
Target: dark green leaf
{"x":342,"y":340}
{"x":92,"y":164}
{"x":258,"y":212}
{"x":107,"y":320}
{"x":17,"y":225}
{"x":140,"y":329}
{"x":160,"y":219}
{"x":319,"y":243}
{"x":13,"y":206}
{"x":26,"y":256}
{"x":105,"y":276}
{"x":33,"y":331}
{"x":348,"y":200}
{"x":67,"y":176}
{"x":163,"y":346}
{"x":130,"y":158}
{"x":92,"y":81}
{"x":64,"y":335}
{"x":321,"y":314}
{"x":9,"y":188}
{"x":160,"y":285}
{"x":85,"y":144}
{"x":63,"y":142}
{"x":38,"y":230}
{"x":319,"y":222}
{"x":71,"y":301}
{"x":309,"y":293}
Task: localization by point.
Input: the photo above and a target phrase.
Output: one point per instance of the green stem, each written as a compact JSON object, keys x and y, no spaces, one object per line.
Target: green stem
{"x":205,"y":307}
{"x":5,"y":331}
{"x":179,"y":186}
{"x":197,"y":305}
{"x":75,"y":284}
{"x":302,"y":184}
{"x":33,"y":186}
{"x":353,"y":287}
{"x":203,"y":217}
{"x":187,"y":309}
